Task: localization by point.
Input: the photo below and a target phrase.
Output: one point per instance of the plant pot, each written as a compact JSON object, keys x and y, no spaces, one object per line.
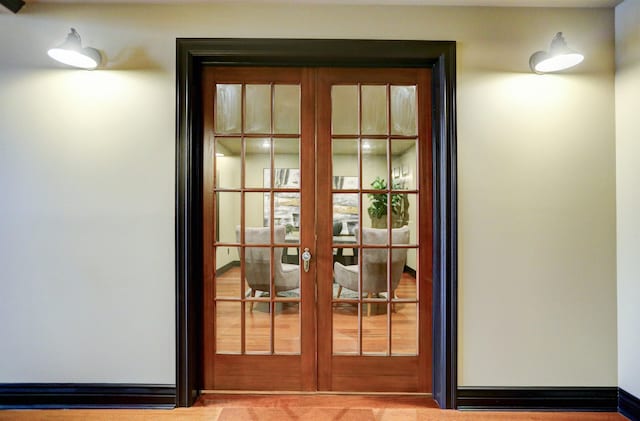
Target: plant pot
{"x":381,"y":222}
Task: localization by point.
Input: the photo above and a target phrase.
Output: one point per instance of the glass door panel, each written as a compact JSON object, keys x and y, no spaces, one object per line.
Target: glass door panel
{"x":378,"y":303}
{"x":257,"y":217}
{"x":269,"y":196}
{"x":371,"y":279}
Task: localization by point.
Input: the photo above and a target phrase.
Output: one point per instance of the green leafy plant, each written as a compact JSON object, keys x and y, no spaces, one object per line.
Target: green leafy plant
{"x":378,"y":206}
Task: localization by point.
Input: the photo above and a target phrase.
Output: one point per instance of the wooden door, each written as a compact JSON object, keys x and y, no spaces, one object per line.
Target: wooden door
{"x":293,"y":160}
{"x":259,"y":195}
{"x":374,"y":169}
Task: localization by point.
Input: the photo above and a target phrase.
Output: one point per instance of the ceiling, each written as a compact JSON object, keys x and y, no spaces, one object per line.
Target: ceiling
{"x":8,"y":6}
{"x":498,"y":3}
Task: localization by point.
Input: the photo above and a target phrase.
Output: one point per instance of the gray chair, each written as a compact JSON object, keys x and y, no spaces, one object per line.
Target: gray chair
{"x":257,"y":262}
{"x":374,"y":264}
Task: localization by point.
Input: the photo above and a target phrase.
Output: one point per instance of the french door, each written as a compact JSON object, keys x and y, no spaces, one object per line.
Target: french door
{"x":317,"y":229}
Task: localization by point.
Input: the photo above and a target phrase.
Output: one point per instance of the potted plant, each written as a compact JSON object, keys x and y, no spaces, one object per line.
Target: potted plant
{"x":378,"y":206}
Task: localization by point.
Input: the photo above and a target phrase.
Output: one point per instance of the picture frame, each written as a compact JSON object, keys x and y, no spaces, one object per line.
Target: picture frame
{"x":345,"y":205}
{"x":286,"y":206}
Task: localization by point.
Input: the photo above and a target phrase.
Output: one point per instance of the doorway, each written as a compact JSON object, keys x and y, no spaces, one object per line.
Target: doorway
{"x":317,"y":229}
{"x":193,"y":55}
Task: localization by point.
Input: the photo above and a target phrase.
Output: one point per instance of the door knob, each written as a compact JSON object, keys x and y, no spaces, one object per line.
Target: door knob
{"x":306,"y":258}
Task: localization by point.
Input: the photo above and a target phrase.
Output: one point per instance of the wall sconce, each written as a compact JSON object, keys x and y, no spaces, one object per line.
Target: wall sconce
{"x":71,"y":52}
{"x":558,"y":58}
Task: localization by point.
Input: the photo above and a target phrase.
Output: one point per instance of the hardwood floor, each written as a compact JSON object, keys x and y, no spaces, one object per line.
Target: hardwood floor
{"x":287,"y":323}
{"x":307,"y":408}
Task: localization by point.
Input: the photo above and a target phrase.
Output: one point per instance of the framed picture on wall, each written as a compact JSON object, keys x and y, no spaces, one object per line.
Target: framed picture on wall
{"x":286,"y":205}
{"x":345,"y":205}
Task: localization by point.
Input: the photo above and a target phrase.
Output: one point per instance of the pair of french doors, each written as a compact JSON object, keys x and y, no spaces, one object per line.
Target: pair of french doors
{"x":317,"y":229}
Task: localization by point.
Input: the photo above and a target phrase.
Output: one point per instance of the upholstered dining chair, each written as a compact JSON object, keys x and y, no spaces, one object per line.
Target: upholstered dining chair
{"x":374,"y":264}
{"x":257,"y":261}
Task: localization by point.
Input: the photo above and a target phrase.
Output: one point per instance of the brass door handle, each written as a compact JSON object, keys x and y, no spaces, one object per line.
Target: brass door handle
{"x":306,"y":258}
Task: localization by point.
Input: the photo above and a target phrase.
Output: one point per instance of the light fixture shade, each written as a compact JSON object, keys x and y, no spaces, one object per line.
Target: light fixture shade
{"x":559,"y":57}
{"x":70,"y":52}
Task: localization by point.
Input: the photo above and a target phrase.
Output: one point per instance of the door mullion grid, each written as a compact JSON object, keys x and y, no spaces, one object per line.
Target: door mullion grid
{"x":390,"y":217}
{"x":359,"y":239}
{"x":243,"y":295}
{"x":272,"y":263}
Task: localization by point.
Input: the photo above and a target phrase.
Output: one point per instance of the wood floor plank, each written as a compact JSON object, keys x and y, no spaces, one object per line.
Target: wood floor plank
{"x":219,"y":407}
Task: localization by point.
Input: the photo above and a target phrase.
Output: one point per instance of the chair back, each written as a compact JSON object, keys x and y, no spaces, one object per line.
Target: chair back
{"x":257,"y":259}
{"x":374,"y":261}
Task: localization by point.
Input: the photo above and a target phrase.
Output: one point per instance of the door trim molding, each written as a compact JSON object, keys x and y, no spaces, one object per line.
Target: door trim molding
{"x":194,"y":54}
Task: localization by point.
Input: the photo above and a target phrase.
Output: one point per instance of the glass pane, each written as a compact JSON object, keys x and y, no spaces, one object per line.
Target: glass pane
{"x":345,"y":164}
{"x":228,"y":108}
{"x":403,"y":111}
{"x":286,"y":109}
{"x":345,"y":328}
{"x":345,"y":226}
{"x":228,"y":327}
{"x":345,"y":286}
{"x":227,"y":162}
{"x":345,"y":216}
{"x":286,"y":209}
{"x":287,"y":178}
{"x":290,"y":255}
{"x":407,"y":289}
{"x":257,"y":109}
{"x":344,"y":109}
{"x":374,"y":109}
{"x":257,"y":266}
{"x":404,"y":329}
{"x":228,"y":216}
{"x":227,"y":279}
{"x":287,"y":157}
{"x":404,"y":163}
{"x":374,"y":328}
{"x":347,"y":256}
{"x":398,"y":261}
{"x":374,"y":163}
{"x":256,"y":210}
{"x":257,"y":162}
{"x":404,"y":218}
{"x":287,"y":331}
{"x":286,"y":266}
{"x":258,"y":327}
{"x":374,"y":272}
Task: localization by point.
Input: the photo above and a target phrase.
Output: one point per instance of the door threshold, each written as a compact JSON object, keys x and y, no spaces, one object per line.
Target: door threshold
{"x":311,"y":393}
{"x":324,"y":399}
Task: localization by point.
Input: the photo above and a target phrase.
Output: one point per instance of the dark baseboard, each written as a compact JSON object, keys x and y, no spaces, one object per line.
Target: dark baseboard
{"x":628,"y":405}
{"x":538,"y":398}
{"x":410,"y":270}
{"x":228,"y":266}
{"x":86,"y":395}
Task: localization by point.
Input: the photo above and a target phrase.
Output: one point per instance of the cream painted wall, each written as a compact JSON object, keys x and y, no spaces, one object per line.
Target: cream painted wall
{"x":628,"y":192}
{"x":87,"y":187}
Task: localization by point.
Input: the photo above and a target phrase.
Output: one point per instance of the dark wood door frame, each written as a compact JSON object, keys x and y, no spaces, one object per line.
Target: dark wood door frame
{"x":191,"y":56}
